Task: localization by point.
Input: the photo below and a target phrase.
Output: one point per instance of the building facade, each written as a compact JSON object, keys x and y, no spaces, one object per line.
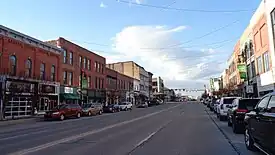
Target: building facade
{"x":158,"y":85}
{"x":30,"y":75}
{"x":83,"y":73}
{"x":150,"y":84}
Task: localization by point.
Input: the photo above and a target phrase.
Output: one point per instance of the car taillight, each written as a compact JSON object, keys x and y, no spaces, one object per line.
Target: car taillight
{"x":241,"y":111}
{"x":222,"y":106}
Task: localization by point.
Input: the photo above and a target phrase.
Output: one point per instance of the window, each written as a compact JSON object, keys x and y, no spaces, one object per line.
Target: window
{"x":253,"y":70}
{"x":80,"y":61}
{"x":102,"y":83}
{"x":271,"y":105}
{"x":273,"y":22}
{"x":262,"y":104}
{"x":95,"y":66}
{"x":42,"y":71}
{"x":99,"y":83}
{"x":266,"y":61}
{"x":53,"y":73}
{"x":96,"y":82}
{"x":84,"y":63}
{"x":13,"y":65}
{"x":65,"y":77}
{"x":71,"y":58}
{"x":65,"y":56}
{"x":28,"y":72}
{"x":102,"y":68}
{"x":98,"y":67}
{"x":70,"y":78}
{"x":88,"y":64}
{"x":259,"y":64}
{"x":79,"y":79}
{"x":89,"y":81}
{"x":249,"y":71}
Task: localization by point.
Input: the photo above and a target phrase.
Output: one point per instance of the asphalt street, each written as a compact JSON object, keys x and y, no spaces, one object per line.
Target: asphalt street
{"x":168,"y":129}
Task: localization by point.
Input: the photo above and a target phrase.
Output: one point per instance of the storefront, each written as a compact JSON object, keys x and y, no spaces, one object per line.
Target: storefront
{"x":48,"y":97}
{"x":69,"y":95}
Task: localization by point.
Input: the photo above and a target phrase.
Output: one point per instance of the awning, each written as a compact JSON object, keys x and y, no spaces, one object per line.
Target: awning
{"x":69,"y":96}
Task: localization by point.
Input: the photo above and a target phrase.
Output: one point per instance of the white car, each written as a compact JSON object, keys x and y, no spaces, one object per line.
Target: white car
{"x":223,"y":107}
{"x":125,"y":106}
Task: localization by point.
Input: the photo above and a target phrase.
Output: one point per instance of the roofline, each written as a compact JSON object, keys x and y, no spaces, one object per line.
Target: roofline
{"x":85,"y":49}
{"x":24,"y":36}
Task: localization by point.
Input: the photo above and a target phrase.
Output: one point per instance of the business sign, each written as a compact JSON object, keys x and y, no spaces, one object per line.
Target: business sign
{"x":68,"y":90}
{"x":242,"y":70}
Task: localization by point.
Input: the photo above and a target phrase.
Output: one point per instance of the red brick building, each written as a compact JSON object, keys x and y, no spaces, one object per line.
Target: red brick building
{"x":76,"y":59}
{"x":118,"y":86}
{"x":30,"y":70}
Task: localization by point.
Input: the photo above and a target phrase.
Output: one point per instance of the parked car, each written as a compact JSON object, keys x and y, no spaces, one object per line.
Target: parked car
{"x":125,"y":106}
{"x":92,"y":109}
{"x":64,"y":111}
{"x":260,"y":125}
{"x":111,"y":108}
{"x":223,"y":107}
{"x":216,"y":105}
{"x":237,"y":111}
{"x":213,"y":101}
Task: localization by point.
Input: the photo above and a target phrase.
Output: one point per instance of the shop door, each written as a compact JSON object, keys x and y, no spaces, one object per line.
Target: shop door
{"x":43,"y":104}
{"x":18,"y":107}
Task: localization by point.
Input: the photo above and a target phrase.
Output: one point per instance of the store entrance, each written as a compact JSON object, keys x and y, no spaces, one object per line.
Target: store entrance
{"x":43,"y":105}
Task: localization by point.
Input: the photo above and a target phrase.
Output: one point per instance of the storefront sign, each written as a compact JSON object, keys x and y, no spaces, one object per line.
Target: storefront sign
{"x":48,"y":89}
{"x":19,"y":87}
{"x":68,"y":90}
{"x":242,"y":70}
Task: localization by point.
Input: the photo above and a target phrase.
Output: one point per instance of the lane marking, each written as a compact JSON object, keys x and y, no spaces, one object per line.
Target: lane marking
{"x":75,"y":137}
{"x":146,"y":139}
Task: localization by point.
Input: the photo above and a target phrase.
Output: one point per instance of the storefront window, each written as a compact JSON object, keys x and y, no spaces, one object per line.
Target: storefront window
{"x":42,"y":71}
{"x":13,"y":64}
{"x":28,"y":68}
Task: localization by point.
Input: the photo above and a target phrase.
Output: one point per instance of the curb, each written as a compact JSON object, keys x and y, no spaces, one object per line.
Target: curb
{"x":11,"y":122}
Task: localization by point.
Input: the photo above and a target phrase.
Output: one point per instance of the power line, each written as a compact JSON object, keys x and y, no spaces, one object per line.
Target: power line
{"x":185,"y":9}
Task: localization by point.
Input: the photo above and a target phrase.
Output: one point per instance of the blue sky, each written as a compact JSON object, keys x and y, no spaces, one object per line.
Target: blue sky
{"x":85,"y":21}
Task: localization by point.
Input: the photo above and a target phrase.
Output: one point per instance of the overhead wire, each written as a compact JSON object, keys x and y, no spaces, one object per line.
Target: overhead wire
{"x":185,"y":9}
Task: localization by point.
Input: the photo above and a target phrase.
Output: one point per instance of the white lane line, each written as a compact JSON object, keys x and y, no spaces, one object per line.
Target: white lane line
{"x":146,"y":139}
{"x":75,"y":137}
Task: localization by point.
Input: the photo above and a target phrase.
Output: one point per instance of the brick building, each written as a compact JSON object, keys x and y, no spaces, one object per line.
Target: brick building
{"x":118,"y":87}
{"x":77,"y":61}
{"x":30,"y":71}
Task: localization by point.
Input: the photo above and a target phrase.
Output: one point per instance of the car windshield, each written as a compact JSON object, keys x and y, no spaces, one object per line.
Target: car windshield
{"x":248,"y":104}
{"x":228,"y":100}
{"x":86,"y":105}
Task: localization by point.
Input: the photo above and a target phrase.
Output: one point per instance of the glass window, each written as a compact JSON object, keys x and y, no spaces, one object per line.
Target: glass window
{"x":273,"y":22}
{"x":95,"y":66}
{"x":249,"y":71}
{"x":102,"y":83}
{"x":266,"y":61}
{"x":102,"y":68}
{"x":79,"y":83}
{"x":42,"y":71}
{"x":248,"y":104}
{"x":262,"y":104}
{"x":98,"y":67}
{"x":96,"y":82}
{"x":253,"y":70}
{"x":80,"y":62}
{"x":89,"y":81}
{"x":84,"y":63}
{"x":271,"y":104}
{"x":89,"y":64}
{"x":259,"y":64}
{"x":70,"y":78}
{"x":65,"y":56}
{"x":71,"y":58}
{"x":28,"y":68}
{"x":65,"y":77}
{"x":13,"y":65}
{"x":53,"y":73}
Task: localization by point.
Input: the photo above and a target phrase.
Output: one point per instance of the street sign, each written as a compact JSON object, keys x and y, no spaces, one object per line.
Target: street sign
{"x":249,"y":89}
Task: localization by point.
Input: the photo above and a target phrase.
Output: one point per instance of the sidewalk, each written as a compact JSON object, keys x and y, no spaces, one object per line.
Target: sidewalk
{"x":10,"y":122}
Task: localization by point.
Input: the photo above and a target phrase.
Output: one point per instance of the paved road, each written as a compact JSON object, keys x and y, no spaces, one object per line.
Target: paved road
{"x":169,"y":129}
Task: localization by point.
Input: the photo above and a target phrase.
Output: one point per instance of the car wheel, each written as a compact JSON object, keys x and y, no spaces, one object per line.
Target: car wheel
{"x":249,"y":142}
{"x":89,"y":113}
{"x":113,"y":110}
{"x":78,"y":115}
{"x":100,"y":112}
{"x":62,"y":117}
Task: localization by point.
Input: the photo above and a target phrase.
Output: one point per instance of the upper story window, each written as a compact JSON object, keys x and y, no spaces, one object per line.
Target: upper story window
{"x":65,"y":77}
{"x":89,"y":81}
{"x":102,"y":68}
{"x":253,"y":69}
{"x":88,"y":64}
{"x":28,"y":71}
{"x":71,"y":58}
{"x":13,"y":65}
{"x":84,"y":62}
{"x":70,"y":78}
{"x":80,"y":62}
{"x":266,"y":61}
{"x":259,"y":65}
{"x":65,"y":56}
{"x":95,"y":66}
{"x":42,"y":71}
{"x":53,"y":73}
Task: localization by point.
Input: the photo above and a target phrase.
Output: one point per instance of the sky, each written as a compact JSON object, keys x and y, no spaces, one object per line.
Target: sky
{"x":184,"y":41}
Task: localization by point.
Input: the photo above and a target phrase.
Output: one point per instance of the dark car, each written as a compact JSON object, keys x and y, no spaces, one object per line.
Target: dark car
{"x":260,"y":125}
{"x":64,"y":111}
{"x":237,"y":111}
{"x":111,"y":108}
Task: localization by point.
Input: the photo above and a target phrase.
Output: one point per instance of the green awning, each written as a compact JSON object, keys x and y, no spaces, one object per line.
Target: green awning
{"x":69,"y":96}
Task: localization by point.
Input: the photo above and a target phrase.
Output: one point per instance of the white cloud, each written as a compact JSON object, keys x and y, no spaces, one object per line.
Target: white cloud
{"x":179,"y":67}
{"x":102,"y":5}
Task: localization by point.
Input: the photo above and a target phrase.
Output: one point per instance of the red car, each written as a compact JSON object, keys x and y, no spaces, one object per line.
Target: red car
{"x":64,"y":111}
